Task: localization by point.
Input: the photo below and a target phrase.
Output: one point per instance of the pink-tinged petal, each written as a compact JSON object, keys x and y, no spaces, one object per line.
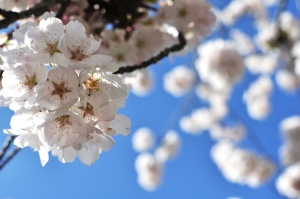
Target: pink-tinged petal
{"x":63,"y":47}
{"x":53,"y":27}
{"x":64,"y":155}
{"x":44,"y":58}
{"x":50,"y":133}
{"x":97,"y":99}
{"x":78,"y":144}
{"x":89,"y":152}
{"x":35,"y":39}
{"x":121,"y":124}
{"x":105,"y":142}
{"x":44,"y":156}
{"x":98,"y":59}
{"x":59,"y":59}
{"x":113,"y":87}
{"x":75,"y":33}
{"x":19,"y":33}
{"x":31,"y":140}
{"x":107,"y":112}
{"x":89,"y":45}
{"x":15,"y":55}
{"x":59,"y":90}
{"x":69,"y":154}
{"x":12,"y":131}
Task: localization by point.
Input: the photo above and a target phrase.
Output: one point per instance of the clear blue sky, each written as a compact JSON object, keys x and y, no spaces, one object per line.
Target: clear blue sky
{"x":192,"y":174}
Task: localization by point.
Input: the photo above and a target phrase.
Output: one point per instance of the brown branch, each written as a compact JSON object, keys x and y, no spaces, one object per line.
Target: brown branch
{"x":39,"y":9}
{"x":9,"y":140}
{"x":11,"y":155}
{"x":153,"y":60}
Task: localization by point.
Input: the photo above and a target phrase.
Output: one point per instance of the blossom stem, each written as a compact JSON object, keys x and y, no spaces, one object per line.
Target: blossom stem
{"x":6,"y":145}
{"x":153,"y":60}
{"x":11,"y":155}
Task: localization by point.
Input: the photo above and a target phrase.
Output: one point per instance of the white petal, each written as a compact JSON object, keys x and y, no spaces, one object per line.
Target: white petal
{"x":89,"y":152}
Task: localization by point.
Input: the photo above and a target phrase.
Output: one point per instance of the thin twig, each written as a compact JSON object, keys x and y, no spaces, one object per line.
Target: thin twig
{"x":39,"y":9}
{"x":153,"y":60}
{"x":11,"y":155}
{"x":148,"y":7}
{"x":6,"y":145}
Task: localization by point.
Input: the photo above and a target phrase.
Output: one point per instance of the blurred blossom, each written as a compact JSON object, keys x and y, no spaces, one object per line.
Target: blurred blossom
{"x":237,"y":8}
{"x":288,"y":183}
{"x":290,"y":128}
{"x":281,"y":35}
{"x":168,"y":148}
{"x":241,"y":166}
{"x":287,"y":80}
{"x":219,"y":64}
{"x":257,"y":98}
{"x":208,"y":93}
{"x":179,"y":80}
{"x":290,"y":150}
{"x":235,"y":133}
{"x":261,"y":64}
{"x":139,"y":82}
{"x":242,"y":42}
{"x":142,"y":139}
{"x":149,"y":171}
{"x":200,"y":120}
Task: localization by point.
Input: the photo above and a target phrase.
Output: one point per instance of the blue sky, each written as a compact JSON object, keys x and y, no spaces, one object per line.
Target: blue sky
{"x":192,"y":174}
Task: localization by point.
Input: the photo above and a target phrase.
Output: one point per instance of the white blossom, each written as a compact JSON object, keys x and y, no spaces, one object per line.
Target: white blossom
{"x":61,"y":128}
{"x":43,"y":40}
{"x":219,"y":64}
{"x":179,"y":80}
{"x":59,"y":89}
{"x":288,"y":182}
{"x":142,"y":139}
{"x":168,"y":148}
{"x":149,"y":171}
{"x":98,"y":85}
{"x":78,"y":49}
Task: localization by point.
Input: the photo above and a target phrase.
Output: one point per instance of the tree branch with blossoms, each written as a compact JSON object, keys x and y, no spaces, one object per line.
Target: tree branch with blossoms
{"x":155,"y":59}
{"x":39,"y":9}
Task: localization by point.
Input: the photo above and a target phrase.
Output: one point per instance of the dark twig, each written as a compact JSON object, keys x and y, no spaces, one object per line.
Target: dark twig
{"x":148,"y":7}
{"x":39,"y":9}
{"x":7,"y":143}
{"x":63,"y":6}
{"x":153,"y":60}
{"x":11,"y":155}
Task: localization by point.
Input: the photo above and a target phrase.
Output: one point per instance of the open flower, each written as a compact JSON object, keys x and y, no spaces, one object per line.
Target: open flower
{"x":43,"y":40}
{"x":61,"y":128}
{"x":98,"y":86}
{"x":78,"y":48}
{"x":58,"y":90}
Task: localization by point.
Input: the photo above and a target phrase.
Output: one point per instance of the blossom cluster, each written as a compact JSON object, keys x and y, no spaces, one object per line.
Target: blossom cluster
{"x":64,"y":94}
{"x":241,"y":166}
{"x":150,"y":166}
{"x":289,"y":151}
